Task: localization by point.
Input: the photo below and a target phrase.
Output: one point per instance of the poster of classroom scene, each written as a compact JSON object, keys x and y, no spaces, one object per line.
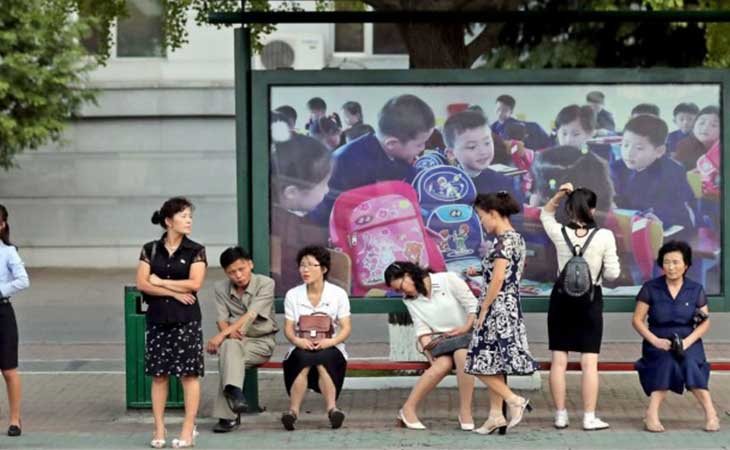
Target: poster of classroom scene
{"x":380,"y":173}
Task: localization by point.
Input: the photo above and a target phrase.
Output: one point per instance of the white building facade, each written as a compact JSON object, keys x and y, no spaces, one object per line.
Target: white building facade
{"x":164,"y":126}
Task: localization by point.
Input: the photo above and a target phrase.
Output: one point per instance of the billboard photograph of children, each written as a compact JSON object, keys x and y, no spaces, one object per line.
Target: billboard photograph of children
{"x":396,"y":180}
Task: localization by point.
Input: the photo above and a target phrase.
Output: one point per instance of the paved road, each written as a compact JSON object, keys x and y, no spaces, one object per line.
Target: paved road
{"x":87,"y":411}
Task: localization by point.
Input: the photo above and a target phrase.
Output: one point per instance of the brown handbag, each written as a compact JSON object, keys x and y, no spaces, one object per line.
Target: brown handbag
{"x":316,"y":327}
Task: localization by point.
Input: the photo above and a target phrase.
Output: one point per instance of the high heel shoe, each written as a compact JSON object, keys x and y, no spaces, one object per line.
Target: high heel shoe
{"x":517,"y":410}
{"x":493,"y":424}
{"x":15,"y":430}
{"x":465,"y":426}
{"x":159,"y":443}
{"x":182,"y":443}
{"x":417,"y":425}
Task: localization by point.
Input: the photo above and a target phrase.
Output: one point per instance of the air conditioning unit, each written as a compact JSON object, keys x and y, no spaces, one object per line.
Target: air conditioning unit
{"x":301,"y":51}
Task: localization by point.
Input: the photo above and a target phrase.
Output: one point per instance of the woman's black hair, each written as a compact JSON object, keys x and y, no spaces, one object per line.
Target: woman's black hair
{"x":5,"y":232}
{"x":501,"y":201}
{"x":169,"y":209}
{"x":578,"y":206}
{"x":675,"y":246}
{"x":399,"y":269}
{"x":233,"y":254}
{"x":321,"y":254}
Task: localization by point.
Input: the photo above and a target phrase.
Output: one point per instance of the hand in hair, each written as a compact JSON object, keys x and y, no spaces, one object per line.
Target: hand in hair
{"x":552,"y":205}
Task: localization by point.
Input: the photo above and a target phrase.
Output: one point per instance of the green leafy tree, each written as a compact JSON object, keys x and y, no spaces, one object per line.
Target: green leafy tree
{"x":43,"y":66}
{"x":42,"y":69}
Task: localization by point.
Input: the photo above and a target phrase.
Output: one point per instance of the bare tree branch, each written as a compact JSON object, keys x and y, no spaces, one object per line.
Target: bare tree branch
{"x":486,"y":40}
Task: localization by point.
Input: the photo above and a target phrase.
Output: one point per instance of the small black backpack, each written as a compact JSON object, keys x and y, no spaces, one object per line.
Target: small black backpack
{"x":575,"y":279}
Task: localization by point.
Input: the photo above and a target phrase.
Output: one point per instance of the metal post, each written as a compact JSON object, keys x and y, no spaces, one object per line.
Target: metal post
{"x":242,"y":61}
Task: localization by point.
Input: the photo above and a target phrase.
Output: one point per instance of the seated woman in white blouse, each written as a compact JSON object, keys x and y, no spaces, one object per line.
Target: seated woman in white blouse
{"x":318,"y":366}
{"x":438,"y":303}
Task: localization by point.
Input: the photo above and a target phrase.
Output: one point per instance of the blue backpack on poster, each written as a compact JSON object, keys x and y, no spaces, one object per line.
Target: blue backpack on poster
{"x":430,"y":158}
{"x":446,"y":195}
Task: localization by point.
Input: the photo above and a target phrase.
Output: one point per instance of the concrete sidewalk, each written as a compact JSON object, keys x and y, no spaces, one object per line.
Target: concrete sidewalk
{"x":85,"y":410}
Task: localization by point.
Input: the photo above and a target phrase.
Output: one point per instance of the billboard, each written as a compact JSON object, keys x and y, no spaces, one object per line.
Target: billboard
{"x":388,"y":171}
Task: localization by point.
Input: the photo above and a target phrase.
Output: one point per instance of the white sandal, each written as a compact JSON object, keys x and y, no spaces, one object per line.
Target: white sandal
{"x":180,"y":443}
{"x":159,"y":443}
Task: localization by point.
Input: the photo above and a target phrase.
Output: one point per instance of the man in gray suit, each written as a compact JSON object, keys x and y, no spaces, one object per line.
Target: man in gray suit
{"x":247,"y":326}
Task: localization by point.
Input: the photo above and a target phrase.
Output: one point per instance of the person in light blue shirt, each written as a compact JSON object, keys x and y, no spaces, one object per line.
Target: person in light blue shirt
{"x":13,"y":279}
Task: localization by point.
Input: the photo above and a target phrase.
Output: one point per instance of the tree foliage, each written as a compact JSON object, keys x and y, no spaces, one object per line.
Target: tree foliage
{"x":43,"y":66}
{"x":42,"y":69}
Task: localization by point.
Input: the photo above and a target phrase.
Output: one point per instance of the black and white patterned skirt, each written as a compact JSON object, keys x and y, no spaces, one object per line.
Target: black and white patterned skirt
{"x":174,"y":349}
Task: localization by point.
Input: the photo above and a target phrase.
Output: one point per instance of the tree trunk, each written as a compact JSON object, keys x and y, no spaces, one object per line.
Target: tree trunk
{"x":435,"y":46}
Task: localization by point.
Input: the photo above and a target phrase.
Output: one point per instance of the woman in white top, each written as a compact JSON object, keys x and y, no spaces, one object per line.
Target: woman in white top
{"x":438,"y":303}
{"x":13,"y":279}
{"x":318,"y":366}
{"x":576,"y":324}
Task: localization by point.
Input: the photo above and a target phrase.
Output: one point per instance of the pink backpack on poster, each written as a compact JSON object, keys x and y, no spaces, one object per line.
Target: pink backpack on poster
{"x":708,"y":166}
{"x":378,"y":224}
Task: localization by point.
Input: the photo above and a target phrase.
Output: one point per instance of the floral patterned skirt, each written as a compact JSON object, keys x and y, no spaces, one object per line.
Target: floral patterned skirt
{"x":174,"y":349}
{"x":500,"y":347}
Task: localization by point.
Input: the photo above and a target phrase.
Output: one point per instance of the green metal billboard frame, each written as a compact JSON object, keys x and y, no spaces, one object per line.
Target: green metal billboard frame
{"x":252,"y":94}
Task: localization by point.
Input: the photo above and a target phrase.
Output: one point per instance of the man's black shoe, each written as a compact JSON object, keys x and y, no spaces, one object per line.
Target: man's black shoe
{"x":226,"y":425}
{"x":236,"y":400}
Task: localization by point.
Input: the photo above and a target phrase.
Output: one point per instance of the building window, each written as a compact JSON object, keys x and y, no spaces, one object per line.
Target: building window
{"x":140,"y":33}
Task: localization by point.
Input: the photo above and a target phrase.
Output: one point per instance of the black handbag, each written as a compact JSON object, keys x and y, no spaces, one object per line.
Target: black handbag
{"x":677,"y":347}
{"x":699,"y":317}
{"x":445,"y":345}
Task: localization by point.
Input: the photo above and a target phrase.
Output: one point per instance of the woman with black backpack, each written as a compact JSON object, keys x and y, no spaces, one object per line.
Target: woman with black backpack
{"x":586,"y":256}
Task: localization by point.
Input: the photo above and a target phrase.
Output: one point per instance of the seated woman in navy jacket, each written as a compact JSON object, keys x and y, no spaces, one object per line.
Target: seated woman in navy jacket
{"x":675,"y":307}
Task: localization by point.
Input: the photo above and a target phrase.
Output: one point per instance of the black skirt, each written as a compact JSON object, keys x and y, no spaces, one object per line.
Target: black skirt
{"x":174,"y":349}
{"x":8,"y":338}
{"x":575,"y":325}
{"x":331,"y":358}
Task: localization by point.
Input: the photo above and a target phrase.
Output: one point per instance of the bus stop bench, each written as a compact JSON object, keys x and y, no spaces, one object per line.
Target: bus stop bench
{"x":251,"y":381}
{"x":395,"y":305}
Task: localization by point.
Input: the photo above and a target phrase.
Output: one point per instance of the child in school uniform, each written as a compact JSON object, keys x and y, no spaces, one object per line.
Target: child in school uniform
{"x":318,"y":108}
{"x":504,"y":108}
{"x":301,"y":168}
{"x":705,"y":133}
{"x":405,"y":123}
{"x":684,"y":117}
{"x":469,"y":141}
{"x":646,"y":179}
{"x":576,"y":126}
